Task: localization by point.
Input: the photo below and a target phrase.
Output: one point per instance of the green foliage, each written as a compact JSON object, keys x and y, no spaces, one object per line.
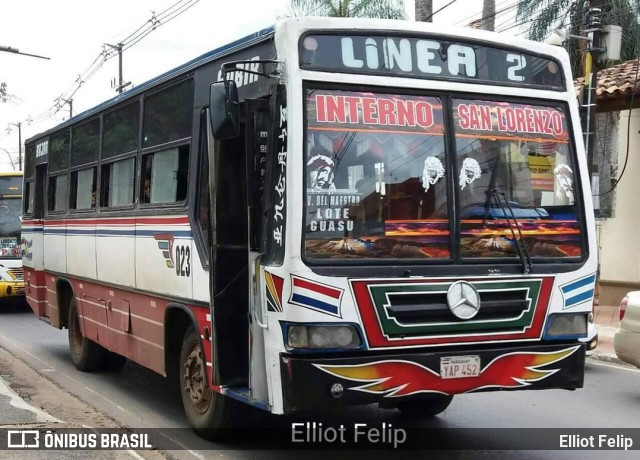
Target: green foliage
{"x":543,"y":16}
{"x":385,"y":9}
{"x":548,"y":14}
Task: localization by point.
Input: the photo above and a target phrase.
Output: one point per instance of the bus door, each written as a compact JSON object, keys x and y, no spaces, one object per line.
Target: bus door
{"x":257,"y":132}
{"x":229,"y":262}
{"x":237,"y":172}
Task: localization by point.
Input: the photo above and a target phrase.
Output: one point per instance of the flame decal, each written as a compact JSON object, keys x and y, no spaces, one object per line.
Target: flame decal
{"x":395,"y":378}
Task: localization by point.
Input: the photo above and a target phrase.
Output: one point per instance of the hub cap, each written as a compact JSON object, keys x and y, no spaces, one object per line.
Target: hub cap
{"x":195,"y":382}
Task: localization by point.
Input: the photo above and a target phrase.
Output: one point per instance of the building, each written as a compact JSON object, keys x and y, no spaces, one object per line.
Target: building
{"x":616,"y":180}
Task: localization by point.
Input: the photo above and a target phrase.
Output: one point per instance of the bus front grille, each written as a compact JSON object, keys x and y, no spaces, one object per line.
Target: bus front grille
{"x":18,"y":273}
{"x":433,"y":307}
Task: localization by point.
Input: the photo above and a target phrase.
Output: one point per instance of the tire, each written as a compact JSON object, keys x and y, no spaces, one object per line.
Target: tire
{"x":209,"y":413}
{"x":425,"y":406}
{"x":86,"y":355}
{"x":113,"y":362}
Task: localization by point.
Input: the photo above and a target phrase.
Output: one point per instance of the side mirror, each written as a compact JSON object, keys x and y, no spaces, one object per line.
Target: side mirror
{"x":223,"y":107}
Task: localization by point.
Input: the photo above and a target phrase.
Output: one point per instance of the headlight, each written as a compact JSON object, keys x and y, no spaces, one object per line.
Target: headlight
{"x":323,"y":337}
{"x":564,"y":326}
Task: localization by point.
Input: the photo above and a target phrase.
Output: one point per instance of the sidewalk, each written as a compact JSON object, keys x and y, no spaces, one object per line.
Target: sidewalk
{"x":606,"y":318}
{"x":42,"y":405}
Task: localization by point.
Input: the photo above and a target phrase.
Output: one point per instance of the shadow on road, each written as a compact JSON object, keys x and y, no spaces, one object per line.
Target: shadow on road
{"x":14,"y":305}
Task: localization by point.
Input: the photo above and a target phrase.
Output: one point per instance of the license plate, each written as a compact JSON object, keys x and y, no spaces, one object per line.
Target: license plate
{"x":457,"y":367}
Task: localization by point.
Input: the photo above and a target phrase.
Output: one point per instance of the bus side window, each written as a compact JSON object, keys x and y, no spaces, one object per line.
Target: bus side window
{"x":28,"y":198}
{"x":58,"y":192}
{"x":117,"y":183}
{"x":203,"y":198}
{"x":83,"y":189}
{"x":164,"y":176}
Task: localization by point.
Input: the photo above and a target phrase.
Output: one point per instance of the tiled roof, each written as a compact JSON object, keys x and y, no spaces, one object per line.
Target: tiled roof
{"x":616,"y":81}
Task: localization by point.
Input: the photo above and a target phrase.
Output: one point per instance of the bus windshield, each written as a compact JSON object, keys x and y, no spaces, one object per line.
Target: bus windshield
{"x":11,"y":185}
{"x":10,"y":227}
{"x":380,"y":185}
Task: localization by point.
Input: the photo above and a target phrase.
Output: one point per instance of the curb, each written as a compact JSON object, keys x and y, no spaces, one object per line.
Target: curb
{"x":609,"y":358}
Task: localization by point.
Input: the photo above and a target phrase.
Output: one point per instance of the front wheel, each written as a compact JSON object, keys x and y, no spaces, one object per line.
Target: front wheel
{"x":86,"y":355}
{"x":208,"y":412}
{"x":425,"y":406}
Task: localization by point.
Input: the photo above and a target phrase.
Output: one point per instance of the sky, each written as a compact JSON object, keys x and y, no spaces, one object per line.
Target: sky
{"x":72,"y":33}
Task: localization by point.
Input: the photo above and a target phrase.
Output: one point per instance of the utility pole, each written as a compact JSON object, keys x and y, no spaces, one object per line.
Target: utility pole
{"x":70,"y":102}
{"x":121,"y":84}
{"x":593,"y":29}
{"x":19,"y":125}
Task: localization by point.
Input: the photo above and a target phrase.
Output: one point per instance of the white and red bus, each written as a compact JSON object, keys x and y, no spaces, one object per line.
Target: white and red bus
{"x":11,"y":276}
{"x":324,"y":213}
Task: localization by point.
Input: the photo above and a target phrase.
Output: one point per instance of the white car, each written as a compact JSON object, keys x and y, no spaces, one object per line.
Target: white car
{"x":626,"y":342}
{"x":592,"y":336}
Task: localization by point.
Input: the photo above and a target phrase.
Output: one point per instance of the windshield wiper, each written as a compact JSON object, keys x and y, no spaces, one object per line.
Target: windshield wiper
{"x":493,"y":194}
{"x":521,"y":248}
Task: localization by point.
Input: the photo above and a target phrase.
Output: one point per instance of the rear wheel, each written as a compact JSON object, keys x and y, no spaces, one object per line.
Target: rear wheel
{"x":208,"y":412}
{"x":85,"y":354}
{"x":425,"y":406}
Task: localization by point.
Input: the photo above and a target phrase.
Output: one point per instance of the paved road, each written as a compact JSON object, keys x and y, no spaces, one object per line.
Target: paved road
{"x":139,"y":398}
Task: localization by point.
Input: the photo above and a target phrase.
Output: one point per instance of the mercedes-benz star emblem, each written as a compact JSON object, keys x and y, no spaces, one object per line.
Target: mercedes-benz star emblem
{"x":463,"y":300}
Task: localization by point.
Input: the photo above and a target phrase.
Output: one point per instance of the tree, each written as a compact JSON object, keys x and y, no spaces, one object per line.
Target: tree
{"x":385,"y":9}
{"x":3,"y":92}
{"x":488,"y":14}
{"x":543,"y":16}
{"x":424,"y":10}
{"x":7,"y":97}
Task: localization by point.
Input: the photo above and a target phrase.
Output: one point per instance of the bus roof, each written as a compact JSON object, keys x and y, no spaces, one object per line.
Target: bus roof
{"x":319,"y":23}
{"x":200,"y":60}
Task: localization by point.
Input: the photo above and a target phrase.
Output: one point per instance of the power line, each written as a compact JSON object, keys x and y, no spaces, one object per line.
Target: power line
{"x":475,"y":14}
{"x":437,"y":11}
{"x":167,"y":15}
{"x":534,"y":17}
{"x":497,"y":13}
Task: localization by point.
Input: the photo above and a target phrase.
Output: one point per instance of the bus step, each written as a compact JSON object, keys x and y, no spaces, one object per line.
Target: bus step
{"x":243,"y":394}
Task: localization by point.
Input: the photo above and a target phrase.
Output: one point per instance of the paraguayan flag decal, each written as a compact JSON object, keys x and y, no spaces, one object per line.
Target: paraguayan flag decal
{"x":316,"y":296}
{"x":578,"y":291}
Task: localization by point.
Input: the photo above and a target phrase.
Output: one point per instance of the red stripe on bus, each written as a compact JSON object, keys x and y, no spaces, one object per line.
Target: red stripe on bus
{"x":123,"y":221}
{"x":331,"y":292}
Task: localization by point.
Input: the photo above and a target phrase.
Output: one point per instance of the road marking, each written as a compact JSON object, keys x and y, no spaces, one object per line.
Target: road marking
{"x":23,"y":350}
{"x":134,"y":454}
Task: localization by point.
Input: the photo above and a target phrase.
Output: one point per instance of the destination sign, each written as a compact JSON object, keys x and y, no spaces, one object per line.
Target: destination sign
{"x":427,"y":58}
{"x":518,"y":121}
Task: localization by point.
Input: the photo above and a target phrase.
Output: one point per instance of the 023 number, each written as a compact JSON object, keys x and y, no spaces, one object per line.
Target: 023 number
{"x":183,"y":260}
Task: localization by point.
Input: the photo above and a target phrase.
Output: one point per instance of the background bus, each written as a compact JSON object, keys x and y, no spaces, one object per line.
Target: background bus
{"x":358,"y":212}
{"x":11,"y":274}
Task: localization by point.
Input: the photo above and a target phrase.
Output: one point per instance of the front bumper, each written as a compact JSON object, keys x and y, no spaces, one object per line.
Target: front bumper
{"x":11,"y":288}
{"x":390,"y":378}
